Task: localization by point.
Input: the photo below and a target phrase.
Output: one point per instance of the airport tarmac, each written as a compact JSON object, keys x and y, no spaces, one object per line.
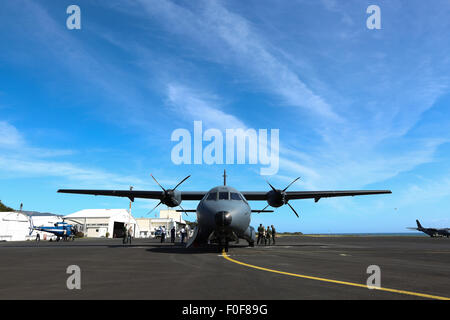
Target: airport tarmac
{"x":412,"y":266}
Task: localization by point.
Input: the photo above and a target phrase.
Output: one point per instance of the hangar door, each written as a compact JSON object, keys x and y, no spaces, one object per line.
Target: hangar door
{"x":118,"y":229}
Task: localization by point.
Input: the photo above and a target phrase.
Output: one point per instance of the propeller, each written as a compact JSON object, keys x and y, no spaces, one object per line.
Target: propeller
{"x":183,"y":210}
{"x":276,"y":197}
{"x":154,"y":208}
{"x":292,"y":209}
{"x":169,"y":197}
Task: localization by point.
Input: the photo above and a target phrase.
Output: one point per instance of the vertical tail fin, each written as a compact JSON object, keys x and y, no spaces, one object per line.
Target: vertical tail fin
{"x":418,"y":224}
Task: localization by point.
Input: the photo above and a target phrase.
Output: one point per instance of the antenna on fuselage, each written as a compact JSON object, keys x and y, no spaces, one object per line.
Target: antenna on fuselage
{"x":224,"y":177}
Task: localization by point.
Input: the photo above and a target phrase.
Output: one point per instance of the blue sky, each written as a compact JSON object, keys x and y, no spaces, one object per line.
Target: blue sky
{"x":356,"y":108}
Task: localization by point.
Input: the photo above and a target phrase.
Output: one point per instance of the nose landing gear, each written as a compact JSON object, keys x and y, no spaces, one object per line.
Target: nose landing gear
{"x":223,"y":246}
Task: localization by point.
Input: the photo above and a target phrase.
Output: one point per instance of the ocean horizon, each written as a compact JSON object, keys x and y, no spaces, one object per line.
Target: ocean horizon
{"x":403,"y":234}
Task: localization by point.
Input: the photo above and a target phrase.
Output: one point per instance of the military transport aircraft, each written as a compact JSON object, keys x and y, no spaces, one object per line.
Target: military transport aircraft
{"x":432,"y":232}
{"x":223,"y":213}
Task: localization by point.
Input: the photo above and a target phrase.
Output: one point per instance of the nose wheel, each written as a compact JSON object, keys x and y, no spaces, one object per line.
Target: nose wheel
{"x":223,"y":246}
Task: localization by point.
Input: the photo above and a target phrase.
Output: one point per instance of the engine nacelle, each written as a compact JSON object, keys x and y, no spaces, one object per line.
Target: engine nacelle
{"x":276,"y":198}
{"x":171,"y":198}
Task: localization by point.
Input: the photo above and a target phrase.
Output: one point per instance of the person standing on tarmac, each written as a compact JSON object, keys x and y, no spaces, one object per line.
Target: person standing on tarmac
{"x":182,"y":234}
{"x":186,"y":232}
{"x":263,"y":240}
{"x":268,"y":235}
{"x":260,"y":233}
{"x":163,"y":234}
{"x":274,"y":232}
{"x":130,"y":233}
{"x":172,"y":234}
{"x":124,"y":230}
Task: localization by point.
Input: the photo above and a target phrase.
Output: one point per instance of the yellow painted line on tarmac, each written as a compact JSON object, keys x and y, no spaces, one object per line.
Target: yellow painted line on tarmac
{"x":422,"y":295}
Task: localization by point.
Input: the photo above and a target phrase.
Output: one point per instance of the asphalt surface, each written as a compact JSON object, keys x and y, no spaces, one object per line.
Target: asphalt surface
{"x":148,"y":269}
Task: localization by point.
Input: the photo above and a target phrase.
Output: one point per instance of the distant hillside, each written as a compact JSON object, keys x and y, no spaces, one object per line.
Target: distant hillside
{"x":4,"y":208}
{"x":291,"y":233}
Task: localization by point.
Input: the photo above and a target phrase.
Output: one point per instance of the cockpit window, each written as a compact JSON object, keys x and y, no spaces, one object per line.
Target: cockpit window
{"x":212,"y":196}
{"x":235,"y":196}
{"x":223,"y":195}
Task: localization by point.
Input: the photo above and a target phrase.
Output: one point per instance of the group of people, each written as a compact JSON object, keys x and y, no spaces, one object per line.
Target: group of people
{"x":266,"y":235}
{"x":127,"y":234}
{"x":173,"y":232}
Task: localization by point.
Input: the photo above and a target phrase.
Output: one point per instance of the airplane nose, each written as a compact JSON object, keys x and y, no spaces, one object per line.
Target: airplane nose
{"x":223,"y":218}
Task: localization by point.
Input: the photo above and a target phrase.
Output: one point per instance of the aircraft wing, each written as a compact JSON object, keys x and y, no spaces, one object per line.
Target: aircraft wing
{"x":249,"y":195}
{"x":316,"y":195}
{"x":185,"y":195}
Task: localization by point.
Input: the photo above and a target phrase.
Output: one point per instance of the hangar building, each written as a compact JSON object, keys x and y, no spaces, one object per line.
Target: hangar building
{"x":14,"y":226}
{"x":98,"y":223}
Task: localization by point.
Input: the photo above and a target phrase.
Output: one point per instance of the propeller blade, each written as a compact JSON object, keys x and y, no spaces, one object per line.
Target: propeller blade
{"x":290,"y":184}
{"x":181,"y":182}
{"x":182,"y":207}
{"x":154,"y":208}
{"x":158,"y":183}
{"x":293,"y":210}
{"x":259,"y":211}
{"x":271,"y":186}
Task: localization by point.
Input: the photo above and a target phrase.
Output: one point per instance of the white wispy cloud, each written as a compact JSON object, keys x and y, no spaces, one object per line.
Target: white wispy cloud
{"x":230,"y":38}
{"x":424,"y":190}
{"x":10,"y":136}
{"x":125,"y":105}
{"x":389,"y":102}
{"x":195,"y":105}
{"x":349,"y":154}
{"x":19,"y":159}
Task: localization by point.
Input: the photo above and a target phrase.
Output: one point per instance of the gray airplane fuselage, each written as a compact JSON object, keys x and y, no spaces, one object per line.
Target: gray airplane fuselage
{"x":223,"y":215}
